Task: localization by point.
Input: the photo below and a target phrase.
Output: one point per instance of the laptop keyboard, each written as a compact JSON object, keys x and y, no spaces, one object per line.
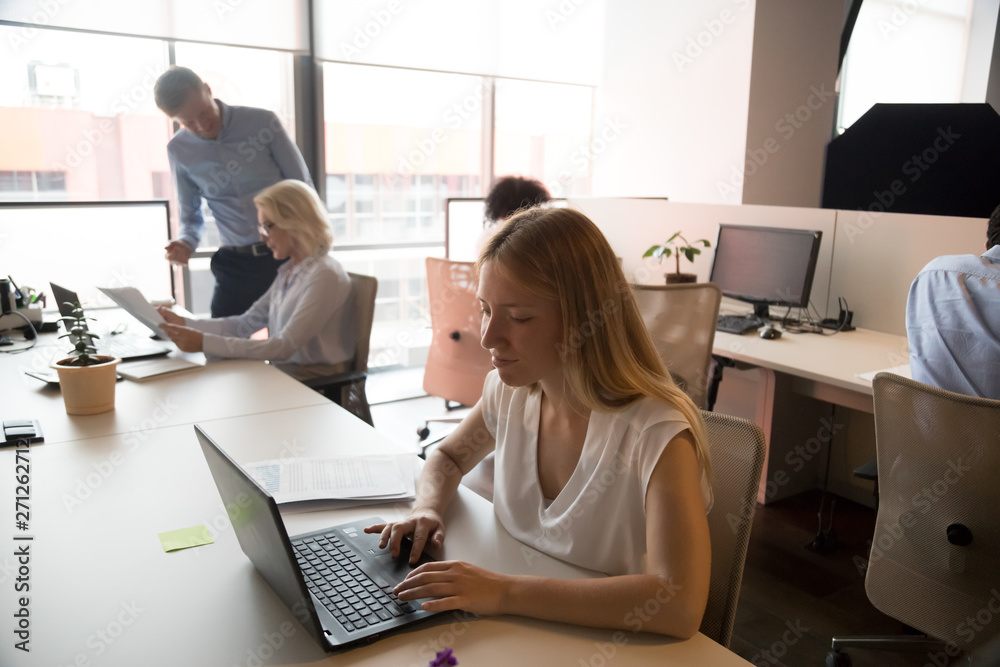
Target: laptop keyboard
{"x":739,"y":324}
{"x":332,"y":574}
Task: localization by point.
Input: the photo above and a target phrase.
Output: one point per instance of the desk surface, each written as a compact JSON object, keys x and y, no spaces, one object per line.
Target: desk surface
{"x":833,"y":360}
{"x":104,"y":593}
{"x":223,"y":389}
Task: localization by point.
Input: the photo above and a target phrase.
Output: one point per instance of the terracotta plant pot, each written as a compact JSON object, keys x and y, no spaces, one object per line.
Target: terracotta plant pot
{"x":88,"y":390}
{"x":678,"y":278}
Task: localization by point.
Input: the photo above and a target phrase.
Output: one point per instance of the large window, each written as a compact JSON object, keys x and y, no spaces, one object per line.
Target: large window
{"x":914,"y":52}
{"x":398,"y":144}
{"x":77,"y":118}
{"x":543,"y":130}
{"x":78,"y":123}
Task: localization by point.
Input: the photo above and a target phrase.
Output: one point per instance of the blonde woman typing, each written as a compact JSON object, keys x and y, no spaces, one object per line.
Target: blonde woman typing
{"x":308,"y":309}
{"x":601,"y":460}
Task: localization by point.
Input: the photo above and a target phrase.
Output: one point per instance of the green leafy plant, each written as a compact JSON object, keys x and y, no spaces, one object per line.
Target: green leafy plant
{"x":676,"y":246}
{"x":84,"y":352}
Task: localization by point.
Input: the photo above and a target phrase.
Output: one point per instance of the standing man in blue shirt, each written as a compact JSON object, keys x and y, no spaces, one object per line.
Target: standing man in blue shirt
{"x":953,"y":320}
{"x":225,"y":155}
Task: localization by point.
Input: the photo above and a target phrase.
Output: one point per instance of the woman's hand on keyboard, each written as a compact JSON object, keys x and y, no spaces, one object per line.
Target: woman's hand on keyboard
{"x":426,"y":526}
{"x":456,"y":585}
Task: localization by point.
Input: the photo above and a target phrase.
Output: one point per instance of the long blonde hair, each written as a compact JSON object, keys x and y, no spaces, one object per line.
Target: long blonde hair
{"x":296,"y":208}
{"x":607,"y":354}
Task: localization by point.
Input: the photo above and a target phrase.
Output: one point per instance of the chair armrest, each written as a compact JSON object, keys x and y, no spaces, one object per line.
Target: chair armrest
{"x":337,"y":379}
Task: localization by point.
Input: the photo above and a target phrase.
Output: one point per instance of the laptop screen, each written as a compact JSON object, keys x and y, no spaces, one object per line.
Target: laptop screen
{"x":261,"y":533}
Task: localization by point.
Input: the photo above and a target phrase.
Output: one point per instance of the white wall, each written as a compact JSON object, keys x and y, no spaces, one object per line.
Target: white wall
{"x":877,"y":256}
{"x":792,"y":101}
{"x":677,"y":80}
{"x":632,"y":225}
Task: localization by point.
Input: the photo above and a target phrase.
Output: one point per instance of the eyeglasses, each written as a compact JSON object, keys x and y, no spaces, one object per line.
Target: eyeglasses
{"x":266,"y":227}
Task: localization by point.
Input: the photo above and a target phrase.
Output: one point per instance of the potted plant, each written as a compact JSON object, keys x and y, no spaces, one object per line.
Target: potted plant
{"x":673,"y":246}
{"x":86,"y":379}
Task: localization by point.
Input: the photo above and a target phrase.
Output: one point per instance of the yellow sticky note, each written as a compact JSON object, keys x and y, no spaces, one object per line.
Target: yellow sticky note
{"x":185,"y":538}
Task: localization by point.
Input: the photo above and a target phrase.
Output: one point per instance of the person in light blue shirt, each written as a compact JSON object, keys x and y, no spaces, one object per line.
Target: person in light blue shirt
{"x":225,"y":155}
{"x":953,"y":320}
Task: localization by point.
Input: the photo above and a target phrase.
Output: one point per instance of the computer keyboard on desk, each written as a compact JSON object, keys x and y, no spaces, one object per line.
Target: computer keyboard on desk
{"x":739,"y":324}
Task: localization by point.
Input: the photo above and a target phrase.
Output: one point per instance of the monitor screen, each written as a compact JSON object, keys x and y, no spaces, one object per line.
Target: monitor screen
{"x":766,"y":265}
{"x":83,"y":245}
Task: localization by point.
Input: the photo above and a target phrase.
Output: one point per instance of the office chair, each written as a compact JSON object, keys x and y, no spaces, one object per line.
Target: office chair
{"x":347,"y":389}
{"x":456,"y":363}
{"x":935,"y":558}
{"x":681,"y":320}
{"x":737,"y":449}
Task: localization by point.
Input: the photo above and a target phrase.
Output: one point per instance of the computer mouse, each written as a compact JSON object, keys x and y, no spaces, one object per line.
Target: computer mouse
{"x":770,"y":333}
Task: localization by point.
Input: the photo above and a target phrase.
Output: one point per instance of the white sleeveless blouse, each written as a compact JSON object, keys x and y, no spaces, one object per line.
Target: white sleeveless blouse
{"x":598,"y":520}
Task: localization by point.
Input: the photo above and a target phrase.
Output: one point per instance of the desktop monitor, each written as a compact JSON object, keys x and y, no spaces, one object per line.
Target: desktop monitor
{"x":87,"y":243}
{"x":766,"y":266}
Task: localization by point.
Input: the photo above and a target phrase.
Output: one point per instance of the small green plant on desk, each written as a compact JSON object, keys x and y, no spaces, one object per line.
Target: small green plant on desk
{"x":676,"y":246}
{"x":84,"y":351}
{"x":86,"y":379}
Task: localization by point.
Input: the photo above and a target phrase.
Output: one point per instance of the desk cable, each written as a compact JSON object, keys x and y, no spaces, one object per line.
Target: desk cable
{"x":796,"y":326}
{"x":29,"y":336}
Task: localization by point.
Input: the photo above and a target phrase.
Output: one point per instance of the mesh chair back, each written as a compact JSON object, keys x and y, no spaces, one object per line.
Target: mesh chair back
{"x":681,"y":319}
{"x":456,"y":363}
{"x":364,"y":288}
{"x":737,"y":450}
{"x":938,"y":458}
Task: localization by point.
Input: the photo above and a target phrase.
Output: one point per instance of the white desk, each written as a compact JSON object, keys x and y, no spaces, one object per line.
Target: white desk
{"x":223,"y":389}
{"x":97,"y":565}
{"x":824,"y":367}
{"x":786,"y":387}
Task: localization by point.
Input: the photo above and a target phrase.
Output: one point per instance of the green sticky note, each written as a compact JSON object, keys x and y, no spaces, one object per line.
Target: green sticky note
{"x":185,"y":538}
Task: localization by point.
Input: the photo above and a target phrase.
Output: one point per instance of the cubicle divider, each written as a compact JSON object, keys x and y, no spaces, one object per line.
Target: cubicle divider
{"x":877,"y":255}
{"x":867,"y":258}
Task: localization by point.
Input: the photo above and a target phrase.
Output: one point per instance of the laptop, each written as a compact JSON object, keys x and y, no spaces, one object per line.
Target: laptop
{"x":124,"y":346}
{"x":336,"y":581}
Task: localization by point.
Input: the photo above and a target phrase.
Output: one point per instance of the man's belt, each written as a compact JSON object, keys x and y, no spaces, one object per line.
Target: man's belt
{"x":258,"y":249}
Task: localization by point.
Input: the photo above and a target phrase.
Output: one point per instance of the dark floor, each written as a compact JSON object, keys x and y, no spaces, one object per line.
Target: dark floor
{"x":789,"y":592}
{"x":796,"y":594}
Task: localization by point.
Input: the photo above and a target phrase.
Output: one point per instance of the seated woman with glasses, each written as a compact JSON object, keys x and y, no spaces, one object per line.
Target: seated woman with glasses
{"x":309,"y":308}
{"x":601,"y":461}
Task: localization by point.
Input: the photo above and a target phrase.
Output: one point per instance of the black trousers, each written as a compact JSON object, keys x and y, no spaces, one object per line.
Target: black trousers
{"x":240,"y":279}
